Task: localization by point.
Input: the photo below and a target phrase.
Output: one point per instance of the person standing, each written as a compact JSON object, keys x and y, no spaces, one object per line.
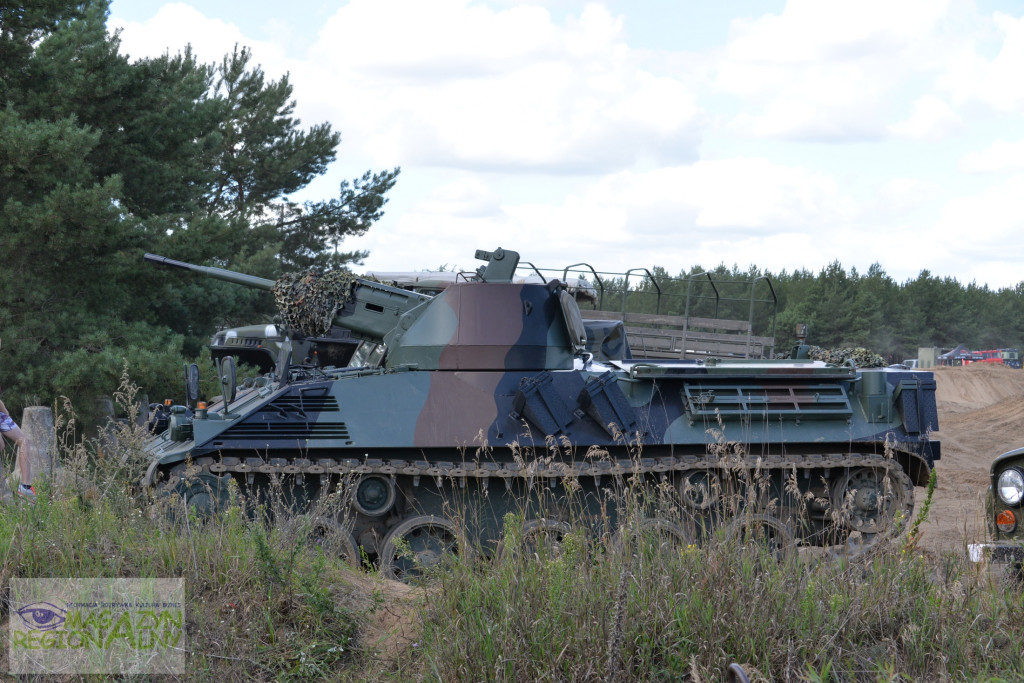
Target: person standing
{"x":12,"y":432}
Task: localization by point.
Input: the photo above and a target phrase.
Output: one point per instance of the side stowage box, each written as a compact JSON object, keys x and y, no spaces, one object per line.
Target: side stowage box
{"x":915,"y":400}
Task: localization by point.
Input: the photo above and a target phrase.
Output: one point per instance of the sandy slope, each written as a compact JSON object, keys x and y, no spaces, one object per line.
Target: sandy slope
{"x":981,"y":410}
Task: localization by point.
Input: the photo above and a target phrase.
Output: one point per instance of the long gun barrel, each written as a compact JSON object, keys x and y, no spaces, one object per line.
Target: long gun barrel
{"x":217,"y":273}
{"x":370,"y":312}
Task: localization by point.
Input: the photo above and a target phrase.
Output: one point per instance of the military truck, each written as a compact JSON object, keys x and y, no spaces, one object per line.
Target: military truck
{"x":1004,"y":513}
{"x":493,"y":394}
{"x":262,"y":345}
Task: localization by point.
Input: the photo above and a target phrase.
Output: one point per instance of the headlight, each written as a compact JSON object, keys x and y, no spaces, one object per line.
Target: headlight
{"x":1011,"y":486}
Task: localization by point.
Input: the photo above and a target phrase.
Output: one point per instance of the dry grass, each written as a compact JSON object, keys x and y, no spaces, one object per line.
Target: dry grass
{"x":651,"y":610}
{"x":563,"y":605}
{"x":262,"y":603}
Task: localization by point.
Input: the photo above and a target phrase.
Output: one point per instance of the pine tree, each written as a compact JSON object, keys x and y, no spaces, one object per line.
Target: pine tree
{"x":103,"y":158}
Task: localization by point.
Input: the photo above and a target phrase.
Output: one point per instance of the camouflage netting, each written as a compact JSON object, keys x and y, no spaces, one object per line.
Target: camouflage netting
{"x":309,"y":301}
{"x":861,"y":356}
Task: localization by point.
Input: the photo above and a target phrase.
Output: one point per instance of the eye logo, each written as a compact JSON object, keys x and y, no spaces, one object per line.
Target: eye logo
{"x":42,"y":616}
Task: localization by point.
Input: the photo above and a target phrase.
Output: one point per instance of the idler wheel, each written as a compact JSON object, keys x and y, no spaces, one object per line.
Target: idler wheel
{"x":700,"y":489}
{"x":416,"y":545}
{"x":204,"y":493}
{"x":374,"y":495}
{"x":870,"y":498}
{"x":867,"y":501}
{"x":327,"y":534}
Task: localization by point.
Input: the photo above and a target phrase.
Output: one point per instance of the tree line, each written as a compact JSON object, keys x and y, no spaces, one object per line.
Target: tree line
{"x":841,"y":308}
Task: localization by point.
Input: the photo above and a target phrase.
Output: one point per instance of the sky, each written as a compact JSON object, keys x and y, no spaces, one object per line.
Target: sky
{"x":785,"y":135}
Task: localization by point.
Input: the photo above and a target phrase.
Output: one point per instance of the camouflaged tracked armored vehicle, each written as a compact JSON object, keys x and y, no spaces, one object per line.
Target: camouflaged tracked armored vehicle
{"x":490,"y":394}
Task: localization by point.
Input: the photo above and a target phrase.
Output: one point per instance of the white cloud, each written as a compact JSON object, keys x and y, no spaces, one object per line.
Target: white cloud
{"x":178,"y":24}
{"x":992,"y":220}
{"x":931,"y":119}
{"x":997,"y":81}
{"x":899,"y":196}
{"x":436,"y":41}
{"x":737,"y":194}
{"x":832,"y":30}
{"x":978,"y":237}
{"x":469,"y":197}
{"x":826,"y":70}
{"x":1000,"y":157}
{"x":712,"y":211}
{"x":460,"y":85}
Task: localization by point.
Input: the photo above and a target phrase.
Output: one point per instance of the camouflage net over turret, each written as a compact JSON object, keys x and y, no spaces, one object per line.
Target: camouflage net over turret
{"x":861,"y":356}
{"x":309,"y":301}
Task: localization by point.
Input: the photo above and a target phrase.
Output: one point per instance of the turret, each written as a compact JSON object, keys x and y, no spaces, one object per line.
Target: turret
{"x":370,"y":310}
{"x":492,"y":324}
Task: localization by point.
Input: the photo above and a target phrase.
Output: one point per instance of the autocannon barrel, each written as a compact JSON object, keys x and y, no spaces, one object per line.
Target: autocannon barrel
{"x":218,"y":273}
{"x":310,"y":303}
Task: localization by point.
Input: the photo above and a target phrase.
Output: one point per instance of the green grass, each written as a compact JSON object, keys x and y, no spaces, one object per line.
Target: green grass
{"x":652,"y":612}
{"x":259,"y":605}
{"x":264,"y":605}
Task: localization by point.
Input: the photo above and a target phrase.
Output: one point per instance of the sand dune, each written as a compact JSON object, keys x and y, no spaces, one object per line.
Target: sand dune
{"x":981,"y":414}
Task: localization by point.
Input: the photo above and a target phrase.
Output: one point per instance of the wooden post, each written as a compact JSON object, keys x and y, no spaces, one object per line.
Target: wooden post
{"x":37,"y":423}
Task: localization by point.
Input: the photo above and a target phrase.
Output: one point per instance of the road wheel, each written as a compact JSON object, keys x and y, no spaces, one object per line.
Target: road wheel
{"x":764,"y":532}
{"x":872,"y":505}
{"x":326,"y":534}
{"x":411,"y":548}
{"x":664,"y":537}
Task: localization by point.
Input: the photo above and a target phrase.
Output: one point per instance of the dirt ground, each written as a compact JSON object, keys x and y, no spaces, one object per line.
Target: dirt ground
{"x":981,"y":411}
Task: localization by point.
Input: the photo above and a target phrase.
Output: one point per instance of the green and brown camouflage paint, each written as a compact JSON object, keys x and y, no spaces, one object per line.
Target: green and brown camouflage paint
{"x":486,"y":371}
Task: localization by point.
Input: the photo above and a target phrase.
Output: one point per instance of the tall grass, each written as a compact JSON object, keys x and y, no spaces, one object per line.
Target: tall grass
{"x":557,"y":604}
{"x":262,"y":604}
{"x":653,"y":609}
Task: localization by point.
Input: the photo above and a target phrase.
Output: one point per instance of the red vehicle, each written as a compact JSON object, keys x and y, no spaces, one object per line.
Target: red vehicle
{"x":991,"y":356}
{"x":1009,"y":357}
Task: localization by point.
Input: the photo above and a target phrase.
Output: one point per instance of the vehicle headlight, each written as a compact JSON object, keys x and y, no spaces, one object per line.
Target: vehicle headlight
{"x":1011,"y":486}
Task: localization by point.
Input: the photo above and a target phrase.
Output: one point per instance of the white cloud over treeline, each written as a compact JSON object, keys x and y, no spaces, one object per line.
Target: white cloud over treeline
{"x":857,"y":132}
